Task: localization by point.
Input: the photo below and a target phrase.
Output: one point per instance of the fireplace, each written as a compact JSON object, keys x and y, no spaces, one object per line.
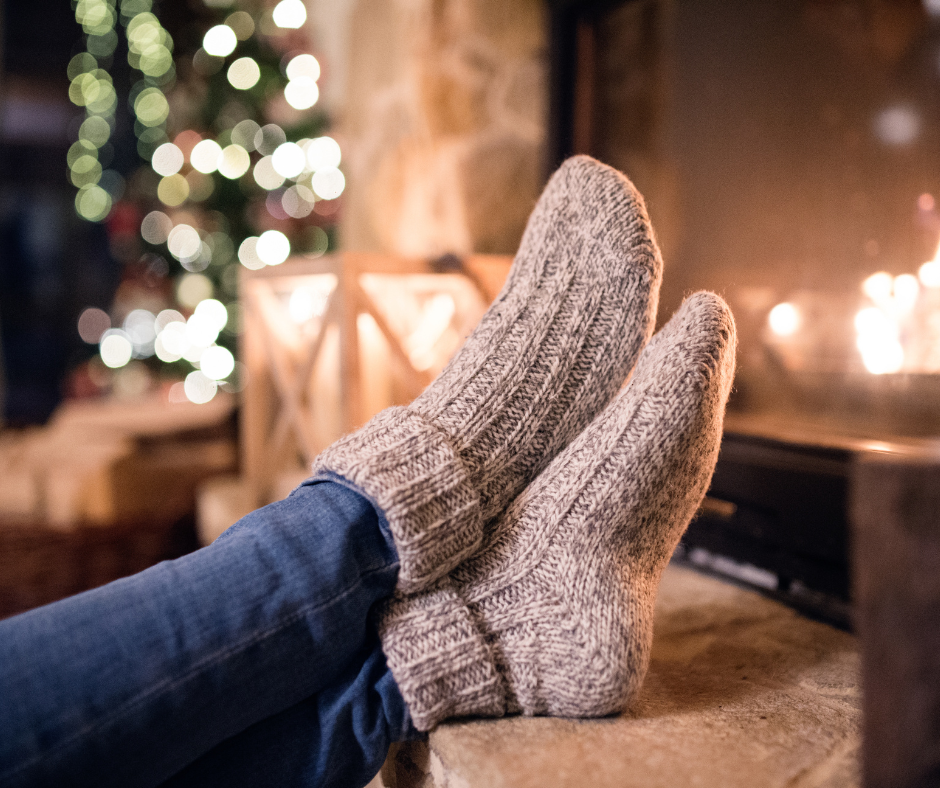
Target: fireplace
{"x":787,"y":151}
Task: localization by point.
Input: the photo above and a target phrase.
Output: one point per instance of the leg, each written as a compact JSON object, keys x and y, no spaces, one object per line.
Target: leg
{"x":127,"y":684}
{"x":335,"y":739}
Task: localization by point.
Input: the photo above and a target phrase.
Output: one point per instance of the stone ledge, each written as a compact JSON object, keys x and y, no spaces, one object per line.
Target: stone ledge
{"x":741,"y":691}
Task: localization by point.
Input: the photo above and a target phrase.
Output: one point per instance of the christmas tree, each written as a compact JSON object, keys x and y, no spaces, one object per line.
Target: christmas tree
{"x":228,"y":165}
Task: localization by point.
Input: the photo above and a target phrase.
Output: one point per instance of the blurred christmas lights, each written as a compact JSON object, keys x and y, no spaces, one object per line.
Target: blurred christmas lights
{"x":188,"y":168}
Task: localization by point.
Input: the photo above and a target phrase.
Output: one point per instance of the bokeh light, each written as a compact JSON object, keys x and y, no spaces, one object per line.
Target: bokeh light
{"x":116,"y":348}
{"x":881,"y":356}
{"x":79,"y":149}
{"x":244,"y":132}
{"x":206,"y":64}
{"x":173,"y":190}
{"x":929,"y":274}
{"x":151,"y":107}
{"x":220,"y":41}
{"x":166,"y":317}
{"x":784,"y":319}
{"x":199,"y":388}
{"x":265,"y":174}
{"x":171,"y":342}
{"x":92,"y":323}
{"x":217,"y":363}
{"x":301,"y":93}
{"x":273,"y":247}
{"x":323,"y":153}
{"x":298,"y":201}
{"x":288,"y":160}
{"x":95,"y":130}
{"x":183,"y":241}
{"x":878,"y":341}
{"x":290,"y":14}
{"x":85,"y":171}
{"x":81,"y":63}
{"x":315,"y":242}
{"x":155,"y":227}
{"x":878,"y":287}
{"x":303,"y":66}
{"x":328,"y":184}
{"x":92,"y":203}
{"x":268,"y":138}
{"x":206,"y":156}
{"x":248,"y":254}
{"x":242,"y":25}
{"x":187,"y":140}
{"x":898,"y":125}
{"x":214,"y":311}
{"x":244,"y":73}
{"x":906,"y":289}
{"x":139,"y":325}
{"x":201,"y":330}
{"x":193,"y":288}
{"x":234,"y":161}
{"x":167,"y":159}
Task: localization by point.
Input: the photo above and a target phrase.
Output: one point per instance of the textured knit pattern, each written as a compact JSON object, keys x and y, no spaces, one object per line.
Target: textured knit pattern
{"x":576,"y":310}
{"x":554,"y":616}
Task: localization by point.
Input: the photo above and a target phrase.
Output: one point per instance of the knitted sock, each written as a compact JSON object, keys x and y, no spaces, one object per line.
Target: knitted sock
{"x":554,"y":616}
{"x":553,"y":349}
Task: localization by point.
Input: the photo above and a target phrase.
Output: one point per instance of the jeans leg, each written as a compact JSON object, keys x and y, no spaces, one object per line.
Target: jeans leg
{"x":127,"y":684}
{"x":336,"y":739}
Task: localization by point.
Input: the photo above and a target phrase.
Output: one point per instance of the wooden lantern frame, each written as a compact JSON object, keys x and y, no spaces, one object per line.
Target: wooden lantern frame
{"x":280,"y":361}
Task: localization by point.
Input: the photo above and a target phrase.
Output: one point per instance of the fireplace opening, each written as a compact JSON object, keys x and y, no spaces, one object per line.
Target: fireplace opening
{"x":788,"y":154}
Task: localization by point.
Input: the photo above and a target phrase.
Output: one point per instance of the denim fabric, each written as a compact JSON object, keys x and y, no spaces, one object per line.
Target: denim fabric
{"x":337,"y":738}
{"x":128,"y":684}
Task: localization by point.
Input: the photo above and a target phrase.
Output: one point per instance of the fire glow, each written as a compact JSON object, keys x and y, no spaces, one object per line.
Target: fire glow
{"x":898,"y":328}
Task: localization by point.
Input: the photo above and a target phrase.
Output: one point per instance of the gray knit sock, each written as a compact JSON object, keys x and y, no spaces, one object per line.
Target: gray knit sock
{"x":554,"y":616}
{"x":564,"y":333}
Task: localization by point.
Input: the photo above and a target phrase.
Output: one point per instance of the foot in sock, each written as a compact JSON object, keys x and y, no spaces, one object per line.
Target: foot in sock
{"x":554,"y":616}
{"x":554,"y":348}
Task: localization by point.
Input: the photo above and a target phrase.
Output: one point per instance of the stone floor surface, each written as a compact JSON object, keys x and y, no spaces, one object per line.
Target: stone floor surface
{"x":741,"y":691}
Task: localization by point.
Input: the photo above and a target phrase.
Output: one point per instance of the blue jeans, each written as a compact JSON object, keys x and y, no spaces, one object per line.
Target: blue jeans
{"x":250,"y":662}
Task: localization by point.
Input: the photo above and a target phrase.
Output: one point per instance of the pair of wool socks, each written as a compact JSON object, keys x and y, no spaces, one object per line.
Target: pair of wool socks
{"x":532,"y":506}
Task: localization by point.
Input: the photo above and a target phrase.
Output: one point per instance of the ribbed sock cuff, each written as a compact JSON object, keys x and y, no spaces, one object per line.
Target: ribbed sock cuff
{"x":408,"y":468}
{"x":440,"y":658}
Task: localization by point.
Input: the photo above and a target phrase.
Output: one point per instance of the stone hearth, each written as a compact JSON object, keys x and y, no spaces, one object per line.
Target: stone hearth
{"x":741,"y":691}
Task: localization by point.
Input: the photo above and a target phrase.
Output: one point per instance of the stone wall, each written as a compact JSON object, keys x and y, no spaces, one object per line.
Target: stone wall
{"x":443,"y":124}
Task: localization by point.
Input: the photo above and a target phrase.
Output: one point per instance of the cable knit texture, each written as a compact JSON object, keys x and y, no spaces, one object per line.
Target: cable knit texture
{"x":555,"y":615}
{"x":576,"y":310}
